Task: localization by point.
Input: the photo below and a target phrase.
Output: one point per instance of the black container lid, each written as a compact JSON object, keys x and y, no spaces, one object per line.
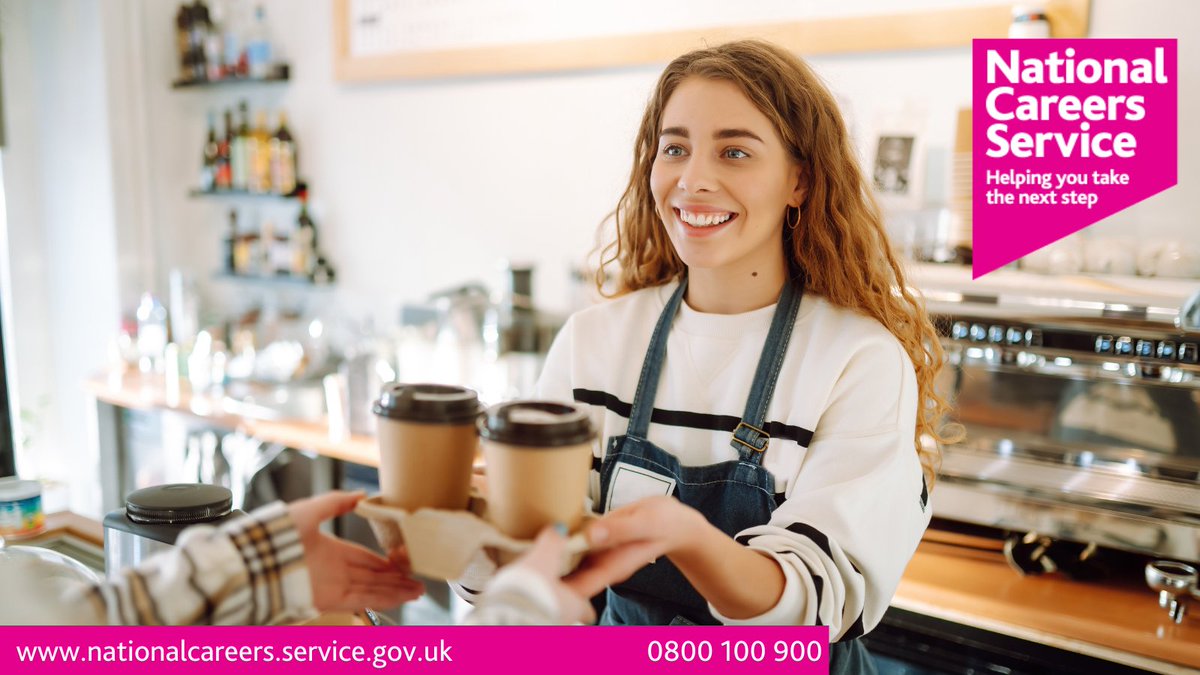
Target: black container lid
{"x":546,"y":424}
{"x":178,"y":503}
{"x":428,"y":403}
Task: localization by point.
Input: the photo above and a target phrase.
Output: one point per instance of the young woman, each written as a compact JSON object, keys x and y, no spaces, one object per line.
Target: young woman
{"x":763,"y":381}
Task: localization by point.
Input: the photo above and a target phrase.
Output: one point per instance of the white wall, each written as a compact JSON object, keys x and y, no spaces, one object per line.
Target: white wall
{"x":416,"y":185}
{"x":482,"y":169}
{"x":62,"y":232}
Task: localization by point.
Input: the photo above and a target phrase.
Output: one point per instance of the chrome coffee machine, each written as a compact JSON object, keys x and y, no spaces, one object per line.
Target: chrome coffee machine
{"x":1080,"y":398}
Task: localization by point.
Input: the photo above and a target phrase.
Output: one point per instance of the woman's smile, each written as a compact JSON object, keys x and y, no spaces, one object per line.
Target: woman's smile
{"x":696,"y":222}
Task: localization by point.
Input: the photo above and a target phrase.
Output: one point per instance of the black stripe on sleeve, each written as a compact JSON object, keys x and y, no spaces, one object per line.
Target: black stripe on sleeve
{"x":854,"y":632}
{"x":691,"y":420}
{"x":819,"y":584}
{"x":815,"y":535}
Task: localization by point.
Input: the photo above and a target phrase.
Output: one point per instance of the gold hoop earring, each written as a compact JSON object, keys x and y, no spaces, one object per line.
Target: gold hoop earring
{"x":793,"y":223}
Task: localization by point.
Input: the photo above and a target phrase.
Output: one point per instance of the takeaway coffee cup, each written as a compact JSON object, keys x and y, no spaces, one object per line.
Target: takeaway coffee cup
{"x":538,"y":454}
{"x":427,"y":444}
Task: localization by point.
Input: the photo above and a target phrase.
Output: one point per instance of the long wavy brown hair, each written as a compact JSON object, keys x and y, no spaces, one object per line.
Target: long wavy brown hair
{"x":836,"y":239}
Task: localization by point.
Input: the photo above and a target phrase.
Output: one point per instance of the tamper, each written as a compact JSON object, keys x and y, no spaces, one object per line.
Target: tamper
{"x":1175,"y":582}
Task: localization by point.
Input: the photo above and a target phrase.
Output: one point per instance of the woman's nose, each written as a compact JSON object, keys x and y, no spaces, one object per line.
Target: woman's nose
{"x":697,"y":175}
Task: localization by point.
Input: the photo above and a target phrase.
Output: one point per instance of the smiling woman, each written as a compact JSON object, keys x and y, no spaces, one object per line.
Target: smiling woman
{"x":765,"y":452}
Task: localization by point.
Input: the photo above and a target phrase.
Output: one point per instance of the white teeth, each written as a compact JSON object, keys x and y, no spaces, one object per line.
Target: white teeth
{"x":703,"y":219}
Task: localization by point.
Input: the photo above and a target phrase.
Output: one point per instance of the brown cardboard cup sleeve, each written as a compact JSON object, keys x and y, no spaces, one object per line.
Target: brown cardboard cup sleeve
{"x":441,"y":543}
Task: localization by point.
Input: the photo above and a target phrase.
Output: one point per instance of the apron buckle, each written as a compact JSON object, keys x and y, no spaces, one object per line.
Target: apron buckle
{"x":766,"y":438}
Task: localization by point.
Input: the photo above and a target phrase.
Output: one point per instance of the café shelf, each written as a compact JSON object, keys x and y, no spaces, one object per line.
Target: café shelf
{"x":281,"y":72}
{"x":244,"y":194}
{"x":281,"y":280}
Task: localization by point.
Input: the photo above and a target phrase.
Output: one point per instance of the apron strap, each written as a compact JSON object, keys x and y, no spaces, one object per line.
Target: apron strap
{"x":643,"y":400}
{"x":750,"y":438}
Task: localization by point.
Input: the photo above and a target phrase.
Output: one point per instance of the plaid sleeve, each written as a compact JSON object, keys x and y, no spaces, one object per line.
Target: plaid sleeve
{"x":248,"y":571}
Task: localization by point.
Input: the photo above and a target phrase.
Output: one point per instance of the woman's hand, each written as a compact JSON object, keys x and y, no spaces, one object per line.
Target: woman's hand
{"x":346,"y":576}
{"x":627,"y":539}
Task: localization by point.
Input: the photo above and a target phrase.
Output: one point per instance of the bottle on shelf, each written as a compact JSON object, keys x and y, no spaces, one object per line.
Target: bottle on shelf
{"x":266,"y":241}
{"x":258,"y":45}
{"x":214,"y":51}
{"x":259,"y":159}
{"x":231,"y":37}
{"x":183,"y":41}
{"x":283,"y":159}
{"x":240,"y":150}
{"x":208,"y":171}
{"x":231,"y":243}
{"x":224,"y":174}
{"x":198,"y":36}
{"x":304,"y":241}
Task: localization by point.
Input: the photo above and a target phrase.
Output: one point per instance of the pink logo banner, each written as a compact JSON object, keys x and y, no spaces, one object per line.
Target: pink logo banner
{"x":415,"y":649}
{"x":1066,"y":133}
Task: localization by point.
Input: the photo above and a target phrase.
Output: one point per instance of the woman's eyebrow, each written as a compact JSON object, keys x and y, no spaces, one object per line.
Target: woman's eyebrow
{"x":722,"y":134}
{"x":737,"y":133}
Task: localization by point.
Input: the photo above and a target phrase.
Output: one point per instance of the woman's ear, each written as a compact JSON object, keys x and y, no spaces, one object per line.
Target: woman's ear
{"x":800,"y":192}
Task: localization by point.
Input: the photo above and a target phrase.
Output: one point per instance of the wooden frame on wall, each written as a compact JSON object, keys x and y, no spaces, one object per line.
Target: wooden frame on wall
{"x":931,"y":29}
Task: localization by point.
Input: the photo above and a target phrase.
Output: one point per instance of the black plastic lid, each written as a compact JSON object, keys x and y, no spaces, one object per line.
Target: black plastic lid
{"x":544,"y":424}
{"x":178,"y":503}
{"x":428,"y":403}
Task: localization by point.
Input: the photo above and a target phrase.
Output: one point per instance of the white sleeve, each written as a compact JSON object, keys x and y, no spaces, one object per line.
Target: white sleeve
{"x":858,"y":505}
{"x":516,"y":596}
{"x":554,"y":383}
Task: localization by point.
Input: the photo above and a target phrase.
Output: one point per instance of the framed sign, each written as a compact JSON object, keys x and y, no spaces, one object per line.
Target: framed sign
{"x":419,"y":39}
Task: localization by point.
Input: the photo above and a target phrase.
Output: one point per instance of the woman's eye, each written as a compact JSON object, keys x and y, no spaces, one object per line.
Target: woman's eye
{"x":736,"y":153}
{"x":672,"y":151}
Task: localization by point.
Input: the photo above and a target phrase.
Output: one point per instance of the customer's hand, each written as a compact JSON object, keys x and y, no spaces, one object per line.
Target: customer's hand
{"x":627,"y":539}
{"x":346,"y":576}
{"x":546,"y":559}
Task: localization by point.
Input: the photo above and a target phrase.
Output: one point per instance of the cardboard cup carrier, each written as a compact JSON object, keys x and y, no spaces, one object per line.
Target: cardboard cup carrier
{"x":538,"y":456}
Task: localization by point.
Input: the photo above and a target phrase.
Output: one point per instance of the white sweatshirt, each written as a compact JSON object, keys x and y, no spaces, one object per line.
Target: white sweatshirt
{"x":854,"y":502}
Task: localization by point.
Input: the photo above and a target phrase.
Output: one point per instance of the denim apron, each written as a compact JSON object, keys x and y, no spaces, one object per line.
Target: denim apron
{"x":733,"y":495}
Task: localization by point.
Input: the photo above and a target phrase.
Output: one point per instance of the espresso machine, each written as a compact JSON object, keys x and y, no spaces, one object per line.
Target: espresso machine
{"x":1080,"y":399}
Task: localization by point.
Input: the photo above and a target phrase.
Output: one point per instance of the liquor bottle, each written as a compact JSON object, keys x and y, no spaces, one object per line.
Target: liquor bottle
{"x":208,"y":171}
{"x":231,"y":242}
{"x":240,"y":150}
{"x":224,"y":177}
{"x":230,"y":23}
{"x":183,"y":41}
{"x":258,"y":45}
{"x":304,"y":241}
{"x":283,"y":159}
{"x":260,"y":155}
{"x":200,"y":29}
{"x":214,"y":50}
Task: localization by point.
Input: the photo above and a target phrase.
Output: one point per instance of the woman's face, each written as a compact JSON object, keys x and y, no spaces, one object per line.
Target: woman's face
{"x":722,"y":178}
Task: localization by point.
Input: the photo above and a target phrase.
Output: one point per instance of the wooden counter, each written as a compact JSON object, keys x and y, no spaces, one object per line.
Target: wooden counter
{"x":1118,"y":622}
{"x":1115,"y":621}
{"x":131,"y":389}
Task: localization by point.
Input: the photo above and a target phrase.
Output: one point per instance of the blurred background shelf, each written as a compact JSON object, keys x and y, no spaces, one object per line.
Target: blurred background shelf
{"x":280,"y":73}
{"x":282,"y":280}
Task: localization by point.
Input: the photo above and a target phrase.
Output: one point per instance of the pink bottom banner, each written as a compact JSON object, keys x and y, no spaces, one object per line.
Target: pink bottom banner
{"x":415,"y":649}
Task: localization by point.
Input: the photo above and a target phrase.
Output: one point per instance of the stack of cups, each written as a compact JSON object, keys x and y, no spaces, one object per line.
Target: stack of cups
{"x":538,"y":455}
{"x":427,"y":445}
